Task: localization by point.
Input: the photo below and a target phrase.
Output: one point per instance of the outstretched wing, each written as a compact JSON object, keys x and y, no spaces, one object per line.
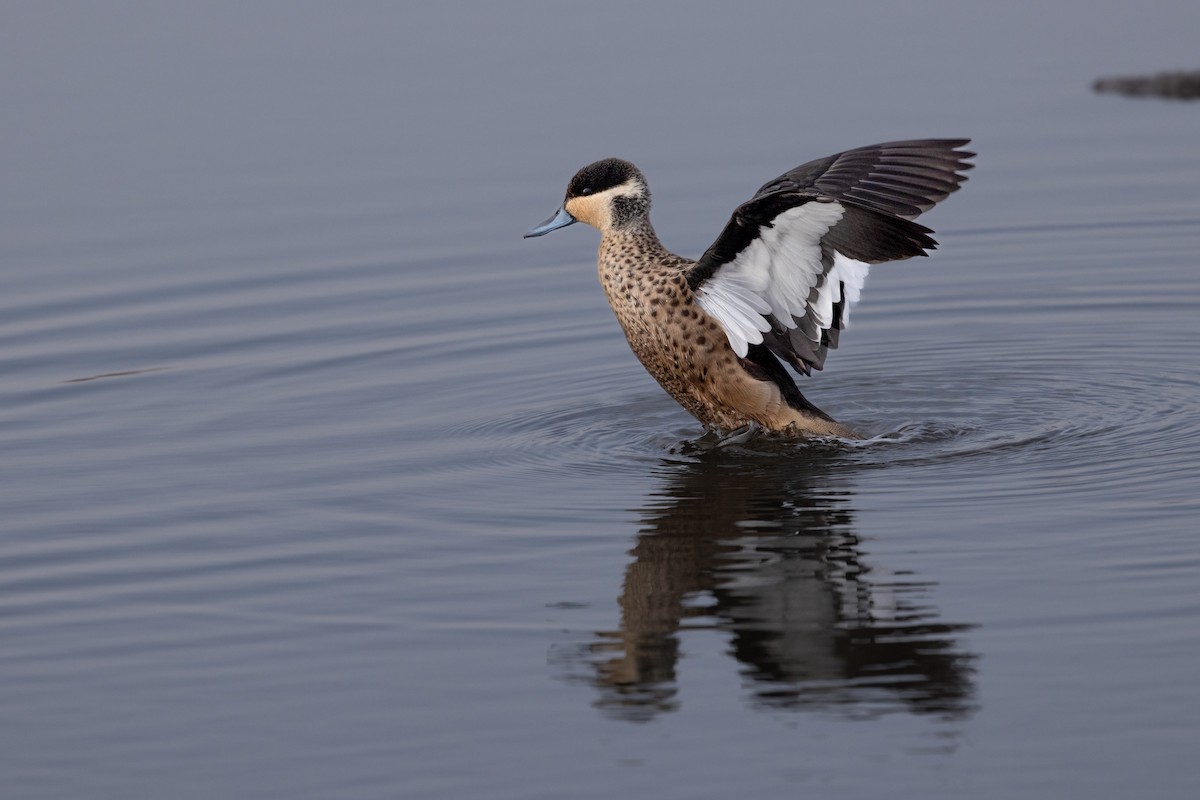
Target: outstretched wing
{"x":793,"y":259}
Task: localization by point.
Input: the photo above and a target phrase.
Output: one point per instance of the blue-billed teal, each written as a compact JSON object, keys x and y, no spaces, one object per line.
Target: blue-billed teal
{"x":777,"y":284}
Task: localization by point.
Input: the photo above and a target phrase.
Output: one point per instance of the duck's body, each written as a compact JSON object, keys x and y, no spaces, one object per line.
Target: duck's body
{"x":686,"y":349}
{"x":778,"y":282}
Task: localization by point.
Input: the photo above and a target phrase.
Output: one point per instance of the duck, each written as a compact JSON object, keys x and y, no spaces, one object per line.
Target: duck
{"x":776,"y":287}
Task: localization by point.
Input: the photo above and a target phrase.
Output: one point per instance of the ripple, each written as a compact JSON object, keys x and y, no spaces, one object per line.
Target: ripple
{"x":1056,"y":413}
{"x":584,"y":439}
{"x":1081,"y":423}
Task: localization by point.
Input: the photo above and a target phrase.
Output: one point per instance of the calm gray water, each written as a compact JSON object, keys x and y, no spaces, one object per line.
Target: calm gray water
{"x":319,"y":481}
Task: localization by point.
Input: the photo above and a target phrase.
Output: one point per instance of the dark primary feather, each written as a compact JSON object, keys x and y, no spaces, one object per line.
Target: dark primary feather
{"x":902,"y":179}
{"x":881,"y":187}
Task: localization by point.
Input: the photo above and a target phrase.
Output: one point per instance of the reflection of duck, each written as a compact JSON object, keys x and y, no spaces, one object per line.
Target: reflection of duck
{"x":777,"y":284}
{"x":764,"y":549}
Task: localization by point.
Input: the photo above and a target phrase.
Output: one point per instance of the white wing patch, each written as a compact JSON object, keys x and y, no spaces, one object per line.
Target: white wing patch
{"x":846,"y":274}
{"x":777,"y":273}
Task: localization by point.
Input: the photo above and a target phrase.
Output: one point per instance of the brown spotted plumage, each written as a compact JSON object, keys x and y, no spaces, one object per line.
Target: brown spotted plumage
{"x":777,"y":284}
{"x":681,"y":346}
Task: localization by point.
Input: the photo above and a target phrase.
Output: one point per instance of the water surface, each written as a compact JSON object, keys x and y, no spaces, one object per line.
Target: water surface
{"x":318,"y":481}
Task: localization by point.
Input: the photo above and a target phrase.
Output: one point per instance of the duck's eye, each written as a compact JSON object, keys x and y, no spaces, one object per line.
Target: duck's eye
{"x":586,"y":190}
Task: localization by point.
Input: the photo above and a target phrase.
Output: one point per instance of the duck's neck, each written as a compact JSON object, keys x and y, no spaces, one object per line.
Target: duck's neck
{"x":637,"y":234}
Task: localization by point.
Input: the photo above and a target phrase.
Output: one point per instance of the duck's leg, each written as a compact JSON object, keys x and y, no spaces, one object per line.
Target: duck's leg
{"x":740,"y":435}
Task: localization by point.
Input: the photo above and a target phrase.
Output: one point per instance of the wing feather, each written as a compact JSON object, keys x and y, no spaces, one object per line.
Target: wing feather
{"x":792,"y":261}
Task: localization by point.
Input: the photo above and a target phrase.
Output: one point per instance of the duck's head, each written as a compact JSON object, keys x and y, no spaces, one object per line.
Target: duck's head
{"x":608,"y":195}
